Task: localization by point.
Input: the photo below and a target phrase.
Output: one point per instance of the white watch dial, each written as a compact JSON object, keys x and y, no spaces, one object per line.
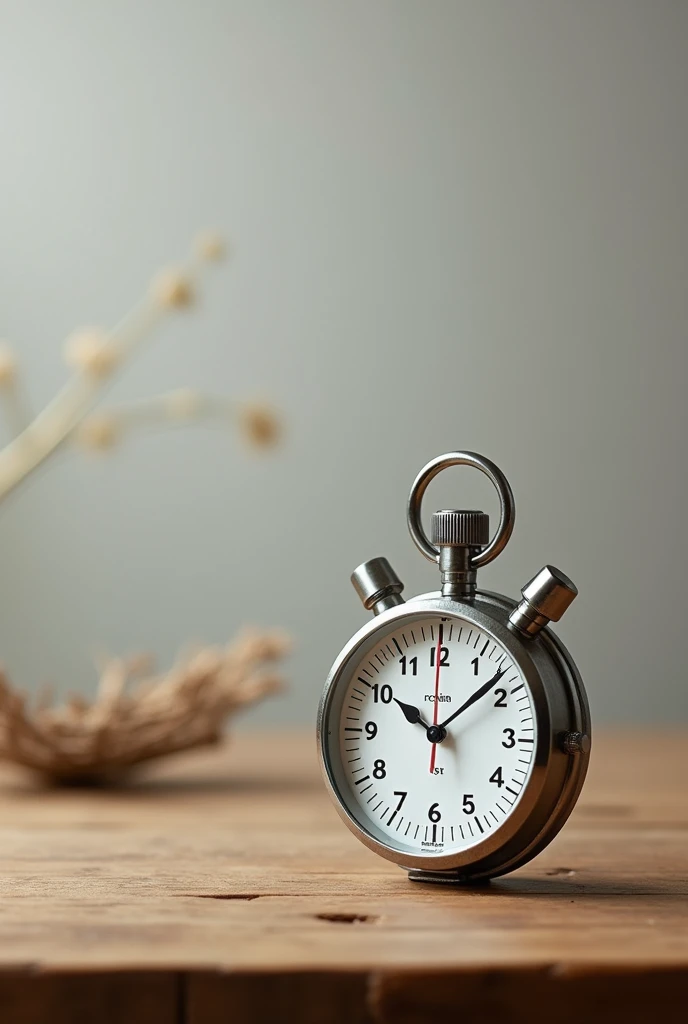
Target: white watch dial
{"x":443,"y":678}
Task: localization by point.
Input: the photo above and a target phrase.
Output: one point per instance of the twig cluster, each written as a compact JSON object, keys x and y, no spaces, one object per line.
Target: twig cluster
{"x":127,"y":724}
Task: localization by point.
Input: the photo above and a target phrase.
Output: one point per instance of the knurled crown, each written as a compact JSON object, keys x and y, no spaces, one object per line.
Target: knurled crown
{"x":461,"y":528}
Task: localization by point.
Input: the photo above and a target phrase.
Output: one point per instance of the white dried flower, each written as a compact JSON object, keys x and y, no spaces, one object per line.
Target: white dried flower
{"x":8,"y":364}
{"x":98,"y":432}
{"x":91,"y":351}
{"x":210,"y":246}
{"x":172,"y":289}
{"x":184,"y":404}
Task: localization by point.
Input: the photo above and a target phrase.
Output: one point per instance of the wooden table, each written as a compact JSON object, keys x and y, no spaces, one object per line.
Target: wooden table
{"x":222,"y":887}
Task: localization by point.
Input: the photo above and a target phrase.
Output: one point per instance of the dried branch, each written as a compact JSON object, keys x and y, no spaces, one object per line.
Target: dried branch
{"x":95,"y":356}
{"x":130,"y":723}
{"x":256,"y":421}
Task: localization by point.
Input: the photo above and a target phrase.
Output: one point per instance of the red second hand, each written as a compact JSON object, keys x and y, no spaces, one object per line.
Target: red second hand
{"x":438,"y":665}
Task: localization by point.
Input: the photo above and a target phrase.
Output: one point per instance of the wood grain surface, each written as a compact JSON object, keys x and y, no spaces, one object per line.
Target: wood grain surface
{"x":223,"y":887}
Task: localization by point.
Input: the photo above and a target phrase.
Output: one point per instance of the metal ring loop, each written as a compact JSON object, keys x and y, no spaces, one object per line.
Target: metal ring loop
{"x":506,"y":499}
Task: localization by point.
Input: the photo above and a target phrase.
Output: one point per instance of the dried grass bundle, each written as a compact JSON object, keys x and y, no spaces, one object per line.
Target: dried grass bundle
{"x":128,"y":724}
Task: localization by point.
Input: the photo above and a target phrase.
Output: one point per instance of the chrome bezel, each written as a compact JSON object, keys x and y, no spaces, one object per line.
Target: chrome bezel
{"x":559,"y":705}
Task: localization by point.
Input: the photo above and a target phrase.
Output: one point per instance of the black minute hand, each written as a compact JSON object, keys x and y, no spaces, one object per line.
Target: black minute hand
{"x":475,"y":696}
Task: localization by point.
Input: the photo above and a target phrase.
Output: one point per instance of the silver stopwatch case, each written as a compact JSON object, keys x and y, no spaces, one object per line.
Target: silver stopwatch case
{"x":459,"y":546}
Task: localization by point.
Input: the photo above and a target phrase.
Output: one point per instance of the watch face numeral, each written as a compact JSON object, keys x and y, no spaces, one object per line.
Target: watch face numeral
{"x":444,"y":657}
{"x":435,"y":735}
{"x":509,"y":742}
{"x":434,"y":814}
{"x":412,"y":664}
{"x":382,"y":693}
{"x":402,"y":796}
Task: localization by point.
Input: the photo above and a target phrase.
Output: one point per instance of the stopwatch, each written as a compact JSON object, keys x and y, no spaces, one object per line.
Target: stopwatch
{"x":454,"y":729}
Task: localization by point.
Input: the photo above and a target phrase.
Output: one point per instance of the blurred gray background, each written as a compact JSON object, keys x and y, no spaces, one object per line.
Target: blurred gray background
{"x":455,"y":224}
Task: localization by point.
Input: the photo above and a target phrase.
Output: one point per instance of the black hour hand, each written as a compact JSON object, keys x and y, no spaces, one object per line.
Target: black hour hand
{"x":411,"y":714}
